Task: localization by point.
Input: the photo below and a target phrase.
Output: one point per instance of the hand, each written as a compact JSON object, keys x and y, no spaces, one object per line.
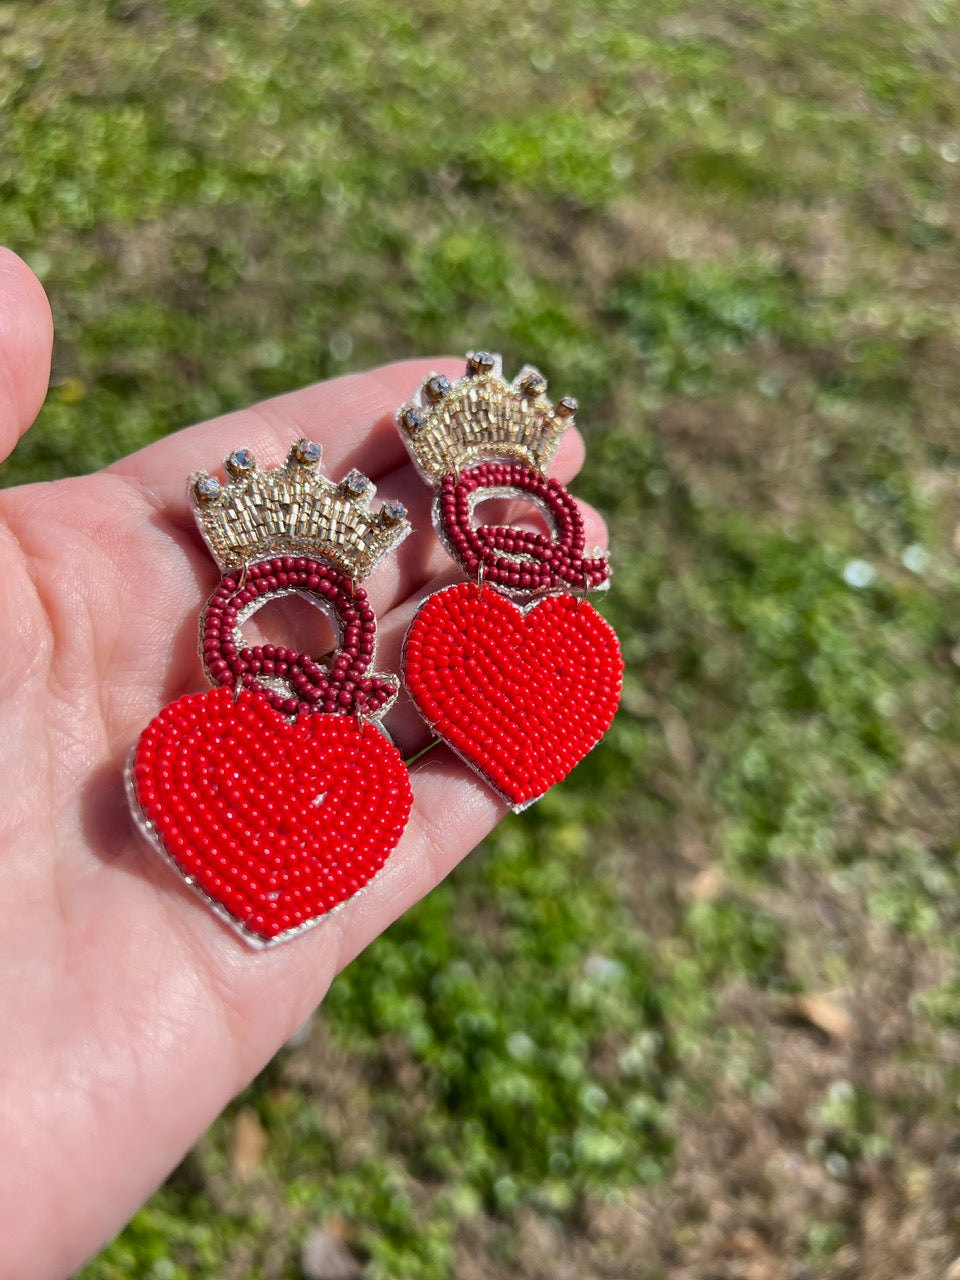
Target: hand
{"x":130,"y":1014}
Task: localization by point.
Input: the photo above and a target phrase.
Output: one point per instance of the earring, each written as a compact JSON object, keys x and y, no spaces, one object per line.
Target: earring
{"x":514,"y":670}
{"x":276,"y":795}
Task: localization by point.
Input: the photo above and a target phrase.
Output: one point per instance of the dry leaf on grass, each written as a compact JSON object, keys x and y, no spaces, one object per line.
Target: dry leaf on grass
{"x":826,"y":1015}
{"x":248,"y":1144}
{"x":707,"y":885}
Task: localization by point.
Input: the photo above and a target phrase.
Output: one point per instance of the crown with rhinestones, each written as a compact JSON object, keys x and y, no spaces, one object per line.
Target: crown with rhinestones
{"x":481,"y":418}
{"x":294,"y":510}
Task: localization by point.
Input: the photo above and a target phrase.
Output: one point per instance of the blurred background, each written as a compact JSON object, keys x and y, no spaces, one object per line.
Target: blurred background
{"x":697,"y":1014}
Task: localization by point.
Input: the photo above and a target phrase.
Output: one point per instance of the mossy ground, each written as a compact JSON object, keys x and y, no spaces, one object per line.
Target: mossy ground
{"x":615,"y":1042}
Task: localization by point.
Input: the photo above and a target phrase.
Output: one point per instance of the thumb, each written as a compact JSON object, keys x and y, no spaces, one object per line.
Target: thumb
{"x":26,"y":342}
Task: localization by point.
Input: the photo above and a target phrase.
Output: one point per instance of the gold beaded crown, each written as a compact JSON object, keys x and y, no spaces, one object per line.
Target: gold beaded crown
{"x":481,"y":418}
{"x":294,"y":510}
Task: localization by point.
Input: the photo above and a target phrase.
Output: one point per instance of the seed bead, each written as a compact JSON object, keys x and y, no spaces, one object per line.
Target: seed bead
{"x":244,"y":795}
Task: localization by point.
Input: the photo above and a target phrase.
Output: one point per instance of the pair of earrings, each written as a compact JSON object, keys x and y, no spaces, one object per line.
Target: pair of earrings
{"x":278,"y":795}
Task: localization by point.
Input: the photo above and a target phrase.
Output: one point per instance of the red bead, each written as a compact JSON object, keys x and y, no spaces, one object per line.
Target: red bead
{"x":522,"y":696}
{"x":552,"y":562}
{"x":313,"y":687}
{"x":240,"y":795}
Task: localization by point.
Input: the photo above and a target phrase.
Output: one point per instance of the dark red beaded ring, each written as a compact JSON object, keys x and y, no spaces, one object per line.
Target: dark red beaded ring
{"x":343,"y":688}
{"x":517,"y":560}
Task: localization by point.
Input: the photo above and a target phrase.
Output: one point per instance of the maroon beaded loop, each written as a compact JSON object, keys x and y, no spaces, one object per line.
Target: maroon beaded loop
{"x":344,"y":688}
{"x":518,"y":560}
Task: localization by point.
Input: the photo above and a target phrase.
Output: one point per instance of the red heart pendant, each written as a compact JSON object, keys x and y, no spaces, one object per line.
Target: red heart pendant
{"x":522,"y":695}
{"x":274,"y":821}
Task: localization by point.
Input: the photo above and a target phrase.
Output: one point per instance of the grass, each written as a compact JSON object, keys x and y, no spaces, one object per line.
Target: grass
{"x":731,"y":230}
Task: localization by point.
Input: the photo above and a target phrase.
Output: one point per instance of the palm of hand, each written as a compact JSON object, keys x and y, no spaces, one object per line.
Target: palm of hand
{"x":132,"y":1015}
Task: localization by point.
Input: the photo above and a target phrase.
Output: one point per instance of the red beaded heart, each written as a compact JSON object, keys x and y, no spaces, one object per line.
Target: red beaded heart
{"x":276,"y":821}
{"x":521,"y":695}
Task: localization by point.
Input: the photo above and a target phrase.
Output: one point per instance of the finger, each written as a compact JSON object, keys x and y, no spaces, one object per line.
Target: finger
{"x":351,"y":416}
{"x":453,"y":811}
{"x":26,"y":343}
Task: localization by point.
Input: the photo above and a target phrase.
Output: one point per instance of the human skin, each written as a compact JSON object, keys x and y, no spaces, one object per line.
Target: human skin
{"x":130,"y":1015}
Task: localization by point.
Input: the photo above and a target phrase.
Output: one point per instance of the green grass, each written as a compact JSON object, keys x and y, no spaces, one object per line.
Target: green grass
{"x":731,"y":230}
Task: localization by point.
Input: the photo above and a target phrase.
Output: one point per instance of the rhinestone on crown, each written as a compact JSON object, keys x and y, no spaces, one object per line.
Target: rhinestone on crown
{"x":294,"y":509}
{"x":448,"y":426}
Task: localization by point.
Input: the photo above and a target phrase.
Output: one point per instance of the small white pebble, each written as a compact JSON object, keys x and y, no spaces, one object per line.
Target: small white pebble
{"x":915,"y":558}
{"x":859,"y":573}
{"x":520,"y":1047}
{"x":603,"y":969}
{"x":341,"y":345}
